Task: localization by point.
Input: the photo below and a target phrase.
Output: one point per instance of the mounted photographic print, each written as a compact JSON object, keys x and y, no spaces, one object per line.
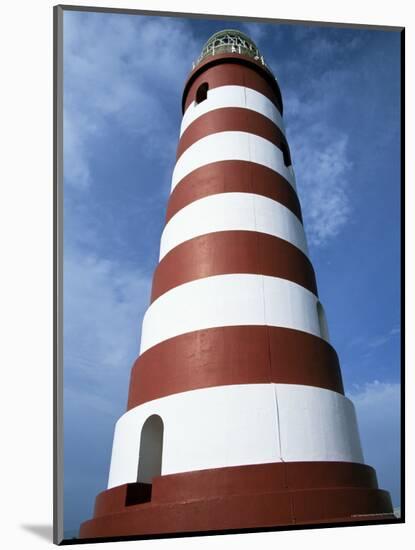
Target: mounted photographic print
{"x":229,"y":229}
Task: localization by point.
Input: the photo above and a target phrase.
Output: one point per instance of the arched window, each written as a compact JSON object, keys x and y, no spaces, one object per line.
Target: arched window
{"x":201,"y":93}
{"x":324,"y":330}
{"x":151,"y":449}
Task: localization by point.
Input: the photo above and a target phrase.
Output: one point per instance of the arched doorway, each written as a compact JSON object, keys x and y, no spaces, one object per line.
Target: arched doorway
{"x":151,"y":449}
{"x":149,"y":461}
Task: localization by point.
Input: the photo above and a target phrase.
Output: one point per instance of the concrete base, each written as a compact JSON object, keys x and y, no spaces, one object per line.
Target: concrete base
{"x":244,"y":497}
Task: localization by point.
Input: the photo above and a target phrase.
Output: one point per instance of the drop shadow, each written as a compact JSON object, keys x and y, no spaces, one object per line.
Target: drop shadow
{"x":45,"y":532}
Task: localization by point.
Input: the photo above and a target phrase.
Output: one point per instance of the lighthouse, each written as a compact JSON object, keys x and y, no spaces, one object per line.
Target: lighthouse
{"x":236,"y":414}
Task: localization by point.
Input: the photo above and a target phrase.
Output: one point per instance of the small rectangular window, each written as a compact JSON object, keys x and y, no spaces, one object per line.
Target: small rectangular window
{"x":201,"y":93}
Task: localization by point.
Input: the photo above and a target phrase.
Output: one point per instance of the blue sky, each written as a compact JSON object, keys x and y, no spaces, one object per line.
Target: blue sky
{"x":123,"y":79}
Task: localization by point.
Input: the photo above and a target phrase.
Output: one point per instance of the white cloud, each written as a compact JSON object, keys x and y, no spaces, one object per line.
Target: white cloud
{"x":378,"y":413}
{"x":322,"y":165}
{"x":77,"y":129}
{"x":104,"y":302}
{"x":119,"y":70}
{"x":321,"y":159}
{"x":320,"y":147}
{"x":375,"y":397}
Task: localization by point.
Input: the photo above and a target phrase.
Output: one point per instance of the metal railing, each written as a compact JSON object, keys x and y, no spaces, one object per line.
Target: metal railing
{"x":230,"y":41}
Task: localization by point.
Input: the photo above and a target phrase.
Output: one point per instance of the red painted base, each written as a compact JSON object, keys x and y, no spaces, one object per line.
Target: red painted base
{"x":243,"y":497}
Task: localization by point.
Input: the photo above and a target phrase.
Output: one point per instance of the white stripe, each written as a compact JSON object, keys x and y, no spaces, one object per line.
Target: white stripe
{"x":229,"y":300}
{"x":233,"y":211}
{"x":231,"y":146}
{"x":233,"y":96}
{"x":237,"y":425}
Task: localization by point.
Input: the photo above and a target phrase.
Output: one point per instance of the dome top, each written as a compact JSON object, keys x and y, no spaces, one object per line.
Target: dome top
{"x":230,"y":41}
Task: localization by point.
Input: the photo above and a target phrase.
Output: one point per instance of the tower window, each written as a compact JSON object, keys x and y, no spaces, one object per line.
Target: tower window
{"x":286,"y":154}
{"x":201,"y":93}
{"x":324,"y":331}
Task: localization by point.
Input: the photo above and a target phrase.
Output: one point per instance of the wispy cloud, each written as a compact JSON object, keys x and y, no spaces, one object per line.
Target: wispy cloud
{"x":374,"y":342}
{"x":321,"y":41}
{"x":78,"y":130}
{"x":369,"y":347}
{"x":373,"y":346}
{"x":384,"y":338}
{"x":320,"y":147}
{"x":103,"y":305}
{"x":117,"y":71}
{"x":372,"y":395}
{"x":322,"y":165}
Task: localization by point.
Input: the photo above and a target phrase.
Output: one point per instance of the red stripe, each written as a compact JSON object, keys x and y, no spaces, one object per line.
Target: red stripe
{"x":236,"y":119}
{"x":232,"y":70}
{"x":260,"y":478}
{"x":223,"y":252}
{"x":239,"y":512}
{"x":232,"y":176}
{"x":240,"y":497}
{"x":233,"y":355}
{"x":245,"y":480}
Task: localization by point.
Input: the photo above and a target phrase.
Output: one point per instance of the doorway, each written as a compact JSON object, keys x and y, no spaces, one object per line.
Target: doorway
{"x":151,"y":449}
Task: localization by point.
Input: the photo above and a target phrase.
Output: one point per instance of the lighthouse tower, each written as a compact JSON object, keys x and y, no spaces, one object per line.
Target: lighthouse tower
{"x":236,"y":414}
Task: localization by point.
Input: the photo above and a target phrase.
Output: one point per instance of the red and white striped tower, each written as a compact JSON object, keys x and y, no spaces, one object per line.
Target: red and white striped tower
{"x":236,"y":413}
